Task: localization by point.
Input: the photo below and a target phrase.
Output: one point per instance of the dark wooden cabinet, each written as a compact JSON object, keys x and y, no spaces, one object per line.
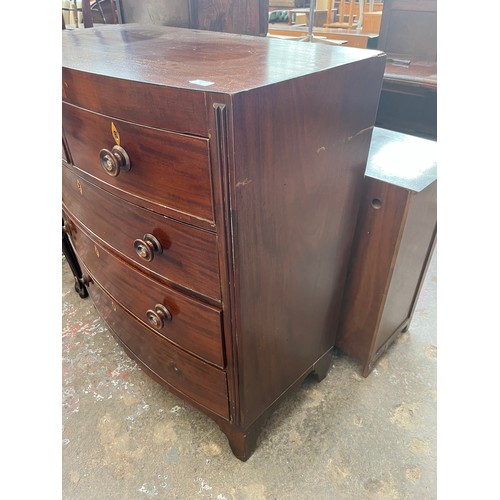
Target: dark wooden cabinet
{"x":408,"y":35}
{"x":395,"y":237}
{"x":211,"y":184}
{"x":230,"y":16}
{"x":246,"y":17}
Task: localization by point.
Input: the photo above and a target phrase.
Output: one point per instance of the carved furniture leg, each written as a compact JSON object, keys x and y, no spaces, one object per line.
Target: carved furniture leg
{"x":242,"y":443}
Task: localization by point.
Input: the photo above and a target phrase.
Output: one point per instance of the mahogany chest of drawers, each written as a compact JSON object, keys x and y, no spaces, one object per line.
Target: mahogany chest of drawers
{"x":211,"y":184}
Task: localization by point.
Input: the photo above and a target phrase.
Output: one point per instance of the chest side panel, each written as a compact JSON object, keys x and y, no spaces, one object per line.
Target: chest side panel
{"x":300,"y":153}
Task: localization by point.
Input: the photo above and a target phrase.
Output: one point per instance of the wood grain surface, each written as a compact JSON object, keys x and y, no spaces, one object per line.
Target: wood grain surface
{"x":167,"y":169}
{"x":195,"y":326}
{"x":194,"y":379}
{"x":189,"y":258}
{"x":296,"y":186}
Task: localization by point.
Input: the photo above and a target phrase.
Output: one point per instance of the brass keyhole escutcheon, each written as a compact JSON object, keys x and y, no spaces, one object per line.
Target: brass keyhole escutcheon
{"x":79,"y":186}
{"x":115,"y":133}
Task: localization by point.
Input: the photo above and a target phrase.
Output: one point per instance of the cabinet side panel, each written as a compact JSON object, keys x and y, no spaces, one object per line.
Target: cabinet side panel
{"x":375,"y":244}
{"x":410,"y":263}
{"x":299,"y":156}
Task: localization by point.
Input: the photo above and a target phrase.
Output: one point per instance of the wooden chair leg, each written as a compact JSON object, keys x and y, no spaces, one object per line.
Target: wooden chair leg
{"x":114,"y":12}
{"x":99,"y":8}
{"x":87,"y":14}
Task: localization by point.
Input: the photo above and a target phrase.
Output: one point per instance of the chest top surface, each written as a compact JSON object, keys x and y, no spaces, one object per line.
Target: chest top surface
{"x":200,"y":60}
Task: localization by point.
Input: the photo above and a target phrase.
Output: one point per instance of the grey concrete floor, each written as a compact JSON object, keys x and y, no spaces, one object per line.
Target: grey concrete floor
{"x":347,"y":437}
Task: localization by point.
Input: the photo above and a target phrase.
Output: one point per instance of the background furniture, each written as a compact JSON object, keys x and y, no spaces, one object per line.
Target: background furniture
{"x":89,"y":12}
{"x":319,"y":16}
{"x":372,"y":22}
{"x":230,"y":16}
{"x":395,"y":237}
{"x":350,"y":37}
{"x":344,"y":11}
{"x":408,"y":34}
{"x":215,"y":248}
{"x":104,"y":12}
{"x":72,"y":13}
{"x":342,"y":14}
{"x":312,"y":21}
{"x":158,"y":12}
{"x":280,"y":4}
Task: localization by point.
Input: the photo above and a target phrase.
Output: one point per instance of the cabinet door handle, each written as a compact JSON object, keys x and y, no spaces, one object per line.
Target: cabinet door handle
{"x":115,"y":161}
{"x":158,"y":316}
{"x":148,"y":247}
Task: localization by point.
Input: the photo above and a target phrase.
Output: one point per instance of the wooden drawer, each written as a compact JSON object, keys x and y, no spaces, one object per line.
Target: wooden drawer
{"x":167,"y":170}
{"x":189,"y":255}
{"x":201,"y":382}
{"x":193,"y":326}
{"x":160,"y":106}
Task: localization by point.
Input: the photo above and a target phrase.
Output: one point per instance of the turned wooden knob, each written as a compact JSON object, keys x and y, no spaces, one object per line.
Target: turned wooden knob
{"x":147,"y":247}
{"x":157,"y":316}
{"x":115,"y":161}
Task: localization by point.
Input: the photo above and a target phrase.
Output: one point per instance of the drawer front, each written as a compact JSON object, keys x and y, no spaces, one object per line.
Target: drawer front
{"x":166,"y":169}
{"x":202,"y":383}
{"x":192,"y":325}
{"x":168,"y":108}
{"x":188,"y":255}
